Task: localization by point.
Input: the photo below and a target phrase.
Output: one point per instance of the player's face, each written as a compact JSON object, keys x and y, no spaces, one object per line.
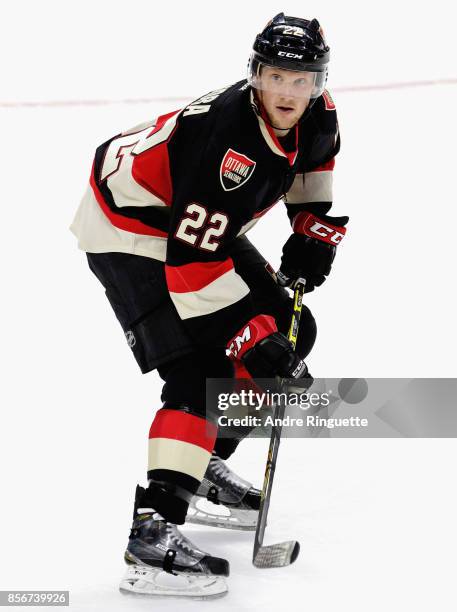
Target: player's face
{"x":285,"y":95}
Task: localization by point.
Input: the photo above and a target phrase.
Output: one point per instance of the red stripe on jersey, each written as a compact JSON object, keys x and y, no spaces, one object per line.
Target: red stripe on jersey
{"x":325,"y":167}
{"x":291,"y":155}
{"x":121,"y":222}
{"x":178,"y":425}
{"x":195,"y":276}
{"x":260,"y":213}
{"x":151,"y":169}
{"x":161,"y":121}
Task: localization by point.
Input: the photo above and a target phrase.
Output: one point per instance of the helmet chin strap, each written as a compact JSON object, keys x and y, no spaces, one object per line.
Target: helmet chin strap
{"x":278,"y":128}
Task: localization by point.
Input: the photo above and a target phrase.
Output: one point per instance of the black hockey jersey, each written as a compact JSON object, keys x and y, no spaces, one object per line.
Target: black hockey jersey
{"x":183,"y":187}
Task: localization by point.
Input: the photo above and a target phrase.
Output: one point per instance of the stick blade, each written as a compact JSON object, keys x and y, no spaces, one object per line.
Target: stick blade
{"x":276,"y":555}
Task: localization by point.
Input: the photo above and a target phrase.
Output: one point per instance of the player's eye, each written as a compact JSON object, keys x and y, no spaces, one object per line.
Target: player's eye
{"x":304,"y":82}
{"x":276,"y":77}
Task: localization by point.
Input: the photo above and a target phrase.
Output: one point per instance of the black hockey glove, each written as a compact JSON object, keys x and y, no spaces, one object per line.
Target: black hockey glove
{"x":266,"y":353}
{"x":311,"y":249}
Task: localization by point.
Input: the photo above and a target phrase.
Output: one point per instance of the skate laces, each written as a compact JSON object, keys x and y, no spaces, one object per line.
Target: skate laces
{"x":180,"y":540}
{"x":220,"y":468}
{"x":232,"y":488}
{"x":224,"y":474}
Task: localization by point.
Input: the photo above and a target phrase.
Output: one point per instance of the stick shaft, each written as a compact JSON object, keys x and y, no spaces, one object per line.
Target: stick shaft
{"x":275,"y":438}
{"x":296,"y":313}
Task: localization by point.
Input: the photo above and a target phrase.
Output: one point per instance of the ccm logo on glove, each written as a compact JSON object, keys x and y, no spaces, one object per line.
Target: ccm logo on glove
{"x":310,"y":225}
{"x":310,"y":251}
{"x":258,"y":328}
{"x":266,"y":353}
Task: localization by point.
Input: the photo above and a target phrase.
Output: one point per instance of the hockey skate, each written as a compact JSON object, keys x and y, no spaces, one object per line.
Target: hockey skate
{"x":163,"y":562}
{"x":224,"y":499}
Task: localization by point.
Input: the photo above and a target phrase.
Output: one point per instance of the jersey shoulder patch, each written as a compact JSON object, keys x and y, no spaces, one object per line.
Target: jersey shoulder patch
{"x":324,"y":113}
{"x":328,"y":101}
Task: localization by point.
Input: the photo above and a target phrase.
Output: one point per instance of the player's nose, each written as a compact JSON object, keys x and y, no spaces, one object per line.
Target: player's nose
{"x":286,"y":99}
{"x":287,"y":92}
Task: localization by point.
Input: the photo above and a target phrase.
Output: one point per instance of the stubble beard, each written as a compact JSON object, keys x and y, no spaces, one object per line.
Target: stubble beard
{"x":279,"y":123}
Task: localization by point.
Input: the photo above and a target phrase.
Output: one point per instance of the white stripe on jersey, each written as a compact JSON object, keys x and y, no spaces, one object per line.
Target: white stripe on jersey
{"x":96,"y":234}
{"x":311,"y":187}
{"x":220,"y":293}
{"x":120,"y":156}
{"x":265,"y":133}
{"x":247,"y":226}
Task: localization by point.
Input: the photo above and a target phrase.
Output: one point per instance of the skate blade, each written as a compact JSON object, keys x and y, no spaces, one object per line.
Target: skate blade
{"x":150,"y":582}
{"x":201,"y":513}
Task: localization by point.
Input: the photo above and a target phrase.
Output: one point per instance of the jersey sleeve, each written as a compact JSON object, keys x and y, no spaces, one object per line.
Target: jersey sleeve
{"x":312,"y":189}
{"x":131,"y":177}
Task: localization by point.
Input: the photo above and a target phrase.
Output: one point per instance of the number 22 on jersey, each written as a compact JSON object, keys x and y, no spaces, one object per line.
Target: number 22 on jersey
{"x":201,"y":229}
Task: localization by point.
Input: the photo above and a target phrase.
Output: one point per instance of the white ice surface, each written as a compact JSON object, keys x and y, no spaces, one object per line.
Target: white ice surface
{"x":375,"y":518}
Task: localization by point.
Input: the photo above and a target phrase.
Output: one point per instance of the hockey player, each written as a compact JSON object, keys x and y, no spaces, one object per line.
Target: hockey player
{"x":163,"y":223}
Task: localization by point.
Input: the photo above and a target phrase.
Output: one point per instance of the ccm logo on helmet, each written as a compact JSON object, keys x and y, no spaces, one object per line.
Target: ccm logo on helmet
{"x":291,"y":55}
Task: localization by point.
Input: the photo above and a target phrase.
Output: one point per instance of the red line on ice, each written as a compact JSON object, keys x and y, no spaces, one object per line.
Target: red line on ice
{"x":188,"y":99}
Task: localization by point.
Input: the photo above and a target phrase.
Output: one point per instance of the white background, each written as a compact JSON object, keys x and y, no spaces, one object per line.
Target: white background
{"x":376,"y":518}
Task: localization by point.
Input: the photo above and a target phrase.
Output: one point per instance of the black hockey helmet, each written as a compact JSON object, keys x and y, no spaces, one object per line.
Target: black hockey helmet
{"x":290,"y":43}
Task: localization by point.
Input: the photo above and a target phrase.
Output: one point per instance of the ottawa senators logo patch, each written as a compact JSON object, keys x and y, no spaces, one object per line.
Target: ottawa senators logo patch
{"x":236,"y":169}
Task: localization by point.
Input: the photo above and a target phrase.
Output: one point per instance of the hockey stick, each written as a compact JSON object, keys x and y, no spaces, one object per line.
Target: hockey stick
{"x":283,"y":553}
